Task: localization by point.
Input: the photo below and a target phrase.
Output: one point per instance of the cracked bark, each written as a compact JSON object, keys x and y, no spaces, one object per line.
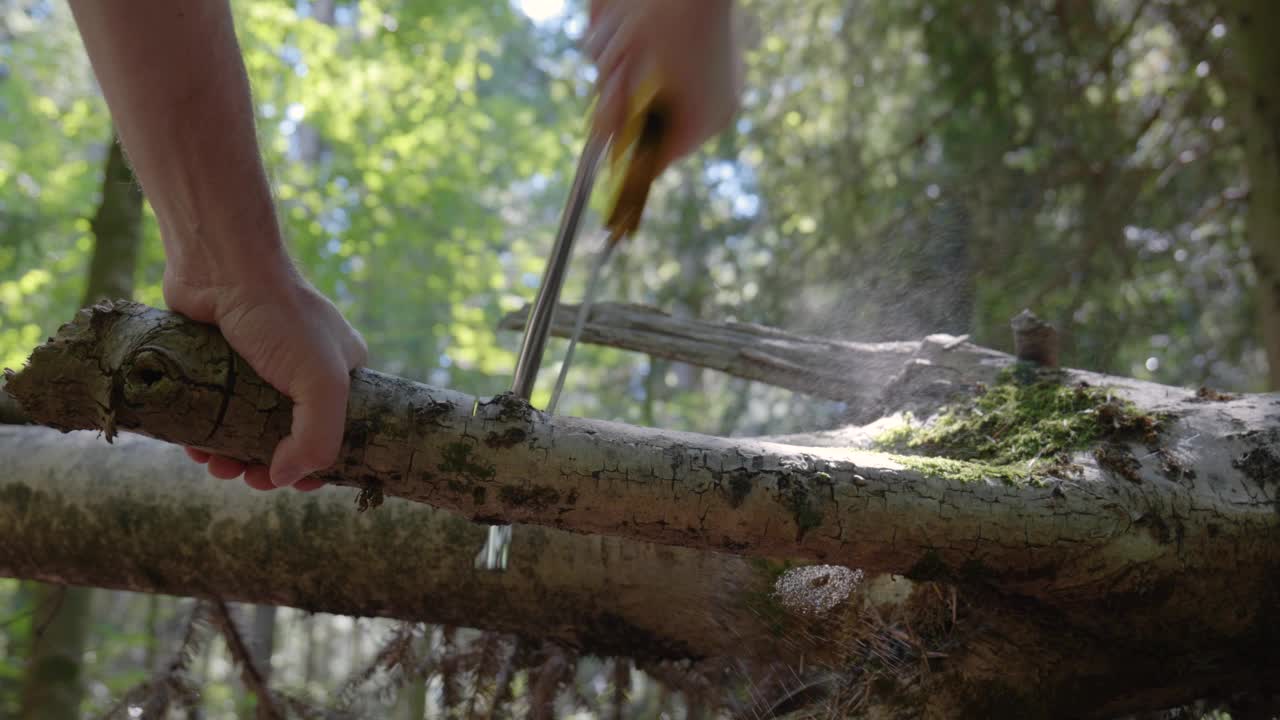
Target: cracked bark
{"x":1150,"y":588}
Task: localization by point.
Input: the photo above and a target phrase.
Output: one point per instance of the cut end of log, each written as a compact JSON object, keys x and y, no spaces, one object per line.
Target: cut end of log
{"x":117,"y":356}
{"x":71,"y":360}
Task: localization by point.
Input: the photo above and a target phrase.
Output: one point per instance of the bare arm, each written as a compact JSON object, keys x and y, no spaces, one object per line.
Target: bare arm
{"x":173,"y":76}
{"x":175,"y":81}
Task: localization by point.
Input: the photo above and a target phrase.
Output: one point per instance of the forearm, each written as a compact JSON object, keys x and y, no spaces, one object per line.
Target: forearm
{"x":173,"y":76}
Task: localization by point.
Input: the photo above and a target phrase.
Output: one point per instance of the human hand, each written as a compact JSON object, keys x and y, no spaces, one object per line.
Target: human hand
{"x":694,"y":48}
{"x":297,"y":341}
{"x":179,"y":97}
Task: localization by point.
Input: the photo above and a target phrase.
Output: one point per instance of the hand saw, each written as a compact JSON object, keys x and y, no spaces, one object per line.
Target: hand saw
{"x":633,"y":161}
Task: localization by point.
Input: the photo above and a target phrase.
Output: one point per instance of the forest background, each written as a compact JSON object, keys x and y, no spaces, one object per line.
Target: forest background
{"x":899,"y":168}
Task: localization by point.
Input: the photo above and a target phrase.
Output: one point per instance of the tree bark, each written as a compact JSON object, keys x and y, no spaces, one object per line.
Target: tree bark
{"x":261,"y":646}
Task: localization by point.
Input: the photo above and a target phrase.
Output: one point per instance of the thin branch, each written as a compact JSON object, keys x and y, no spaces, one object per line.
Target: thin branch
{"x":239,"y":650}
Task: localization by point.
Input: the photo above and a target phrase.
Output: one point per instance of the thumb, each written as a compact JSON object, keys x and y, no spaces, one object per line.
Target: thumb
{"x":319,"y":418}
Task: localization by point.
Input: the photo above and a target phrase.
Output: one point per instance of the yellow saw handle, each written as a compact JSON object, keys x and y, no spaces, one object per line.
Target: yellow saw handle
{"x":633,"y":158}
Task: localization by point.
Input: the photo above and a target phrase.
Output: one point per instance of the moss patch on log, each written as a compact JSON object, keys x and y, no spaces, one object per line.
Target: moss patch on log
{"x":1019,"y":430}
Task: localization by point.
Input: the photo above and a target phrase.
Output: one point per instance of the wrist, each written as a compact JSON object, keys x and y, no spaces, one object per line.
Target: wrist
{"x":215,"y":246}
{"x":209,"y":274}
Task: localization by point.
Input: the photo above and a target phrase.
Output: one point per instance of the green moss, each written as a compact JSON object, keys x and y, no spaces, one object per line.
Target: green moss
{"x":1021,"y":428}
{"x":968,"y":470}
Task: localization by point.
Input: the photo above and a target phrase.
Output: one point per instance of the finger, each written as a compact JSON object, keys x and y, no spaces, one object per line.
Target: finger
{"x":614,"y":50}
{"x":319,"y":415}
{"x":258,"y":477}
{"x":308,"y":484}
{"x":680,"y":143}
{"x":611,"y":109}
{"x":601,"y":26}
{"x":694,"y":123}
{"x":199,"y":456}
{"x":603,"y":113}
{"x":225,"y":468}
{"x":356,"y":351}
{"x":596,"y":8}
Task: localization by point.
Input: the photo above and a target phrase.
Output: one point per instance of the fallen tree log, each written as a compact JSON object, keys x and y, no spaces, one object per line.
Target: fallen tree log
{"x":141,"y":517}
{"x":863,"y":374}
{"x":1140,"y":552}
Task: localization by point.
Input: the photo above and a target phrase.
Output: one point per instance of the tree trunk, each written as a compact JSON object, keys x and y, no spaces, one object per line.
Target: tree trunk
{"x":413,"y":699}
{"x":53,"y":684}
{"x":1138,"y":576}
{"x":1253,"y":26}
{"x":117,"y":232}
